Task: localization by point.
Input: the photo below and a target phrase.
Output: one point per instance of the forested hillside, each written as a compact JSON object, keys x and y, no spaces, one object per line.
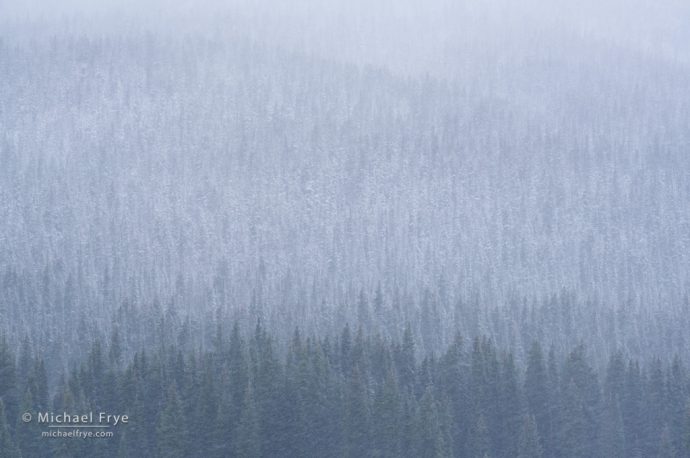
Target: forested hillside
{"x":354,"y":396}
{"x":207,"y":174}
{"x":513,"y":172}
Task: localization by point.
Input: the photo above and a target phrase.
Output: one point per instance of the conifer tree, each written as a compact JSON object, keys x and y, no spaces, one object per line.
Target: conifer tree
{"x":407,"y":364}
{"x":480,"y":445}
{"x":27,"y":433}
{"x":537,"y":389}
{"x":386,"y":419}
{"x":357,"y":416}
{"x":170,"y":433}
{"x":8,"y":379}
{"x":510,"y":408}
{"x":529,"y":443}
{"x":432,"y":440}
{"x":124,"y":449}
{"x":248,"y":442}
{"x":666,"y":448}
{"x":8,"y":448}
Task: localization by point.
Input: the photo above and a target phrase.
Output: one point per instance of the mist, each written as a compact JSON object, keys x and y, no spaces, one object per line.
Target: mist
{"x":416,"y":170}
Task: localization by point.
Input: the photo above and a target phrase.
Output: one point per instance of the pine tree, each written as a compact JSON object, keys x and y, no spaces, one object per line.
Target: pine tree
{"x":357,"y":417}
{"x":613,"y":432}
{"x":686,"y":432}
{"x":537,"y":390}
{"x":170,"y":433}
{"x":666,"y":448}
{"x":124,"y":450}
{"x":453,"y":382}
{"x":510,"y":408}
{"x":66,"y":402}
{"x":205,"y":409}
{"x":655,"y":409}
{"x":115,"y":349}
{"x":529,"y":443}
{"x":633,"y":410}
{"x":432,"y":440}
{"x":267,"y":389}
{"x":8,"y":448}
{"x":247,"y":443}
{"x":480,"y":446}
{"x":386,"y":419}
{"x":677,"y":393}
{"x":581,"y":406}
{"x":407,"y":363}
{"x":8,"y":380}
{"x":27,"y":433}
{"x":40,"y":381}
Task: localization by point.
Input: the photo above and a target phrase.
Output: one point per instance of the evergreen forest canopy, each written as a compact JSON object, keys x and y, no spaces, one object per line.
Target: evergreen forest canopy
{"x":352,"y":396}
{"x":509,"y":172}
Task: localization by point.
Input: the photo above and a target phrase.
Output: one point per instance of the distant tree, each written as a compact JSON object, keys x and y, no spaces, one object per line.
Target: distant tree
{"x":386,"y":419}
{"x":480,"y":446}
{"x":537,"y":390}
{"x":171,"y":434}
{"x":357,"y":421}
{"x":580,"y":406}
{"x":529,"y":445}
{"x":453,"y":382}
{"x":27,"y":433}
{"x":8,"y":379}
{"x":406,"y":360}
{"x":8,"y":448}
{"x":248,"y":442}
{"x":124,"y":449}
{"x":433,"y":441}
{"x":115,"y":349}
{"x":510,"y":409}
{"x":39,"y":380}
{"x":666,"y":448}
{"x":613,"y":437}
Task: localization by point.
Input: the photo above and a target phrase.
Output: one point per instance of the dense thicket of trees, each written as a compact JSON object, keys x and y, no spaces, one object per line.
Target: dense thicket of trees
{"x":143,"y":172}
{"x":353,"y":396}
{"x":418,"y":169}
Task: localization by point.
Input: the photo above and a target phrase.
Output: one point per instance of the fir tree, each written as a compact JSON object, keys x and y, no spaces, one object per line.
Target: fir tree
{"x":529,"y":443}
{"x":170,"y":433}
{"x":8,"y":448}
{"x":248,"y":444}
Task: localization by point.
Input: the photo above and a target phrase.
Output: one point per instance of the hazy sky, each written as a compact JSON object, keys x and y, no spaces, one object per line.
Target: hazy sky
{"x":405,"y":35}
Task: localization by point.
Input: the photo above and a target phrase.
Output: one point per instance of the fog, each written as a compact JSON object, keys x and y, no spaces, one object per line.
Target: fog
{"x":394,"y":228}
{"x":512,"y":168}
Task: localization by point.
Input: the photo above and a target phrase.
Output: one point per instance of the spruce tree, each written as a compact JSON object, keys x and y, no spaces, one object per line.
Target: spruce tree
{"x":170,"y":433}
{"x":431,"y":434}
{"x":8,"y":380}
{"x":386,"y":419}
{"x":8,"y":448}
{"x":357,"y":416}
{"x":248,"y":438}
{"x":536,"y":390}
{"x":529,"y":442}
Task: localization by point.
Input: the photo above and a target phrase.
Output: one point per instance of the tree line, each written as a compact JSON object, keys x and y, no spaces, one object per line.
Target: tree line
{"x":354,"y":395}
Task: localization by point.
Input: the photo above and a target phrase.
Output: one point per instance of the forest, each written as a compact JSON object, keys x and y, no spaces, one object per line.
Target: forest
{"x":346,"y":227}
{"x":353,"y":396}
